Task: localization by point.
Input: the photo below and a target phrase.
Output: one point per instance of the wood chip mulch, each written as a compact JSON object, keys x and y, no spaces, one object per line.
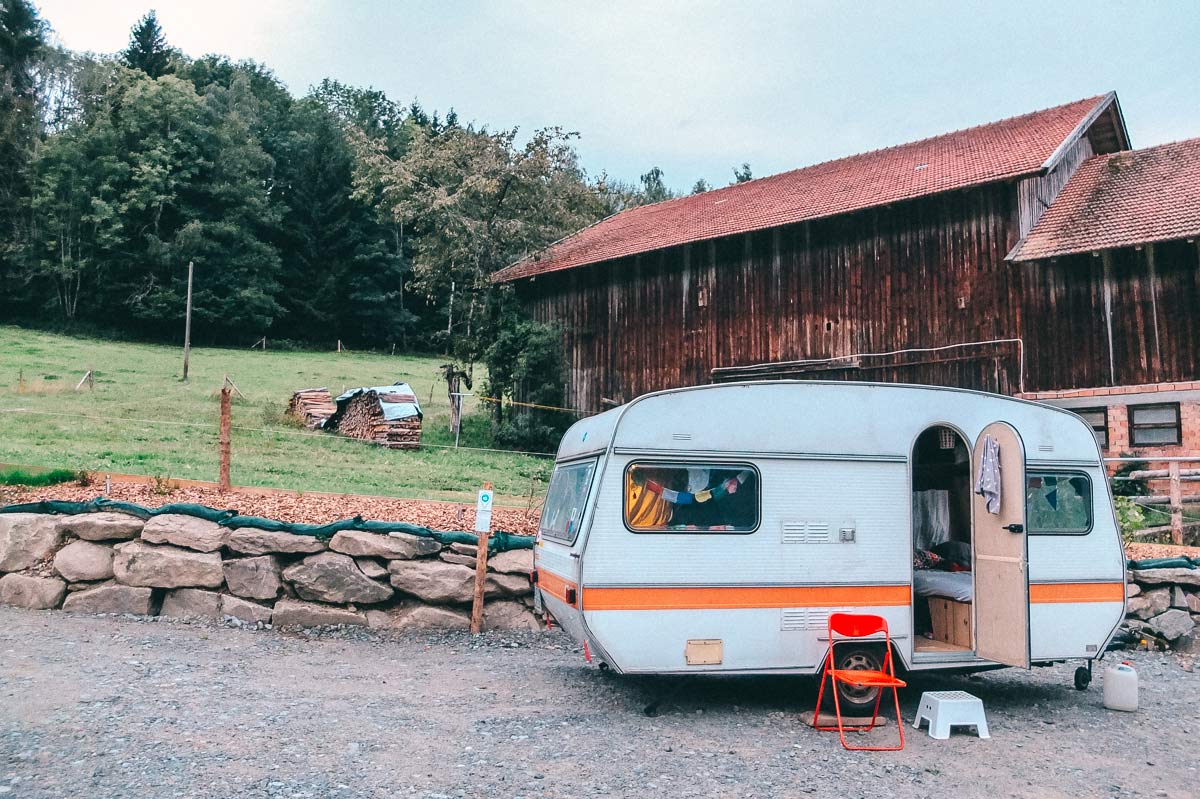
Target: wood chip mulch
{"x":305,"y":508}
{"x":1146,"y":551}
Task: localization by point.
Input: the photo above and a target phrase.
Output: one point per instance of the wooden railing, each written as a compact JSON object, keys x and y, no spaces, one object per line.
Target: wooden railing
{"x":1174,"y":500}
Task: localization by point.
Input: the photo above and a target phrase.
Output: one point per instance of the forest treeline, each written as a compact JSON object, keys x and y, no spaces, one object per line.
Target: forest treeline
{"x":337,"y":215}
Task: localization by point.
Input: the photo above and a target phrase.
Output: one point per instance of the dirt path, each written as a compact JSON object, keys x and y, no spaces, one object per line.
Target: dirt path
{"x":116,"y":707}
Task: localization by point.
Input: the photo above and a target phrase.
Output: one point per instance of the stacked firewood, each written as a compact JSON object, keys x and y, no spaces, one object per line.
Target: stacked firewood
{"x":363,"y":418}
{"x":312,"y":406}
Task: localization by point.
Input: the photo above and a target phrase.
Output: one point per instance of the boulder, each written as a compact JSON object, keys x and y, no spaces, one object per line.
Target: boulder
{"x":1148,"y":603}
{"x":27,"y":539}
{"x":509,"y":616}
{"x":508,"y":585}
{"x":141,"y":564}
{"x":431,"y":617}
{"x":394,"y":546}
{"x":372,"y":568}
{"x":464,"y":549}
{"x":433,"y":581}
{"x":253,"y":541}
{"x":257,"y":577}
{"x":514,"y":561}
{"x":1167,"y":576}
{"x":333,"y":577}
{"x":1178,"y":597}
{"x":110,"y":598}
{"x":27,"y":591}
{"x":419,"y":617}
{"x":181,"y":530}
{"x":1172,"y":624}
{"x":81,"y":561}
{"x":245,"y":610}
{"x":1193,"y":601}
{"x":102,"y":526}
{"x":1132,"y":590}
{"x":461,"y":560}
{"x":191,"y":603}
{"x":1187,"y":644}
{"x":294,"y":613}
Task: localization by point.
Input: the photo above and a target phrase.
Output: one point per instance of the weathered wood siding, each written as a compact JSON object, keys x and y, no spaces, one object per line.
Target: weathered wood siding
{"x":880,"y":280}
{"x":1035,"y":194}
{"x":1150,"y":317}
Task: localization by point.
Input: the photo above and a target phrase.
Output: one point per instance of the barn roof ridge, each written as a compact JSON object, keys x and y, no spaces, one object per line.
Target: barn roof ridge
{"x":824,"y":189}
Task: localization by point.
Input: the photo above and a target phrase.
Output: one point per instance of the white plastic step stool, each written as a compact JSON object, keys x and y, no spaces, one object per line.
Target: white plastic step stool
{"x":946,"y":709}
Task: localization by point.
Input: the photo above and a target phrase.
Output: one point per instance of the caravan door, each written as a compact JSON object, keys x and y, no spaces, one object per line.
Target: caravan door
{"x":1001,"y":553}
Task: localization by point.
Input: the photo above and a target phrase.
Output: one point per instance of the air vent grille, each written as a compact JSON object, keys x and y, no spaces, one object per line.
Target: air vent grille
{"x":681,"y":436}
{"x":797,"y":532}
{"x":791,"y":619}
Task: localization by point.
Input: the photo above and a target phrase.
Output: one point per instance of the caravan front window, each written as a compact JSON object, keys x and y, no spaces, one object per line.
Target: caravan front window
{"x":566,"y":499}
{"x":691,"y":498}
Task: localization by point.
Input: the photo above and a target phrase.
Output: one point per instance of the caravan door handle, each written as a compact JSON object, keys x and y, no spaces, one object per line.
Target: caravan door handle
{"x":1015,"y":528}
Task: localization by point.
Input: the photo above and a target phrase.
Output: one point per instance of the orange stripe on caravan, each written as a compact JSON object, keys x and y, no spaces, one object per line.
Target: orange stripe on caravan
{"x":555,"y":586}
{"x":1046,"y":593}
{"x":729,"y":597}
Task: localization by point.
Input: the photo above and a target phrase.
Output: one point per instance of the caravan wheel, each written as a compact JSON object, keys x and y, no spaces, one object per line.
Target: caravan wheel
{"x":856,"y":701}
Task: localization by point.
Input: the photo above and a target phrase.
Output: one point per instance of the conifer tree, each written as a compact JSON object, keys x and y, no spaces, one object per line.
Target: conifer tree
{"x":148,"y":49}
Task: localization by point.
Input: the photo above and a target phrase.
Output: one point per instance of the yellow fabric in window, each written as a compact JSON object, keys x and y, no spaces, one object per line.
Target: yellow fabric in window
{"x":644,"y":508}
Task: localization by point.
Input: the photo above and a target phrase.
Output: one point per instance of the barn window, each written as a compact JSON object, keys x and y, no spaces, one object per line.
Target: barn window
{"x":691,"y":498}
{"x":1098,"y":419}
{"x":566,"y":499}
{"x":1058,"y":502}
{"x":1154,"y":425}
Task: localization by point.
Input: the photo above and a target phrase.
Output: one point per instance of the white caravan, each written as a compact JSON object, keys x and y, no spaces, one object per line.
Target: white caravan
{"x":714,"y":529}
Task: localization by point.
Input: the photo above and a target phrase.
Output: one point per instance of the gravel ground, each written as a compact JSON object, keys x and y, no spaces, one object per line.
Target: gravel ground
{"x":118,"y":707}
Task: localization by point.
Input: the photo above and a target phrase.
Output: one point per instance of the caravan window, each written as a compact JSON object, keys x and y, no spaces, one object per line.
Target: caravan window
{"x":566,"y":499}
{"x":1058,"y":502}
{"x":691,"y":498}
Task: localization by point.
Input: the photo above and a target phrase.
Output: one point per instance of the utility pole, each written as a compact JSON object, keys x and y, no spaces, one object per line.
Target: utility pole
{"x":187,"y":325}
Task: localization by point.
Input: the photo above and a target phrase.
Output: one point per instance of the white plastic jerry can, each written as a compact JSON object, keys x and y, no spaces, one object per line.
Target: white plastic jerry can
{"x":1121,"y":687}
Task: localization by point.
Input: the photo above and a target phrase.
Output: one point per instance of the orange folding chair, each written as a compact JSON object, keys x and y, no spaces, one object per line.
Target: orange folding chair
{"x":845,"y":627}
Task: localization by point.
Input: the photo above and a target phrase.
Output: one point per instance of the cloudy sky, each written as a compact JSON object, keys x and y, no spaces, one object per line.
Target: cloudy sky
{"x":697,"y":87}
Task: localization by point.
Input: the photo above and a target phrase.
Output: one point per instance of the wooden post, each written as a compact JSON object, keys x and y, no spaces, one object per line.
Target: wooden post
{"x":1176,"y":498}
{"x":187,"y":325}
{"x":223,"y":436}
{"x":481,"y":556}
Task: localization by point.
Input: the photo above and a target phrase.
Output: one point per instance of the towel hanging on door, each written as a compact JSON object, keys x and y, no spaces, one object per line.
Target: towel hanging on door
{"x":987,"y":482}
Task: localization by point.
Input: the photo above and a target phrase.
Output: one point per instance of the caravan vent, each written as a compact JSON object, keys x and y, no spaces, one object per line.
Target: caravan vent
{"x":805,"y":532}
{"x":681,"y":436}
{"x":1045,"y":447}
{"x":807,"y":618}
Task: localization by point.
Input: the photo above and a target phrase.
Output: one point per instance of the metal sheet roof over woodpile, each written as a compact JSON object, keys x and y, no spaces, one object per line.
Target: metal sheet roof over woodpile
{"x":398,"y":401}
{"x":1122,"y":200}
{"x":1001,"y":150}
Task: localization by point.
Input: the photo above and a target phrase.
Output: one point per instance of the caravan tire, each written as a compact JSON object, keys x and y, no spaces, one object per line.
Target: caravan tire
{"x":855,"y":701}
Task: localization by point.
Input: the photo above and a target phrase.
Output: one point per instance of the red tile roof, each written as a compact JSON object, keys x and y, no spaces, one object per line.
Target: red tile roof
{"x":996,"y":151}
{"x":1119,"y":200}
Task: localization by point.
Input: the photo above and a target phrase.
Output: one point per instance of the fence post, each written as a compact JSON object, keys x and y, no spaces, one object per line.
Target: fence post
{"x":223,"y":436}
{"x":1176,"y":498}
{"x":483,"y":528}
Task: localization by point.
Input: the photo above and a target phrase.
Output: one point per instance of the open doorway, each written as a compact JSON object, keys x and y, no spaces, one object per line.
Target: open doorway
{"x":943,"y":586}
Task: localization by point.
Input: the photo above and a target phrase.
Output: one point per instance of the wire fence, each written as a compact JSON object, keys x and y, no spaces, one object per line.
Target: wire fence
{"x":1172,"y":503}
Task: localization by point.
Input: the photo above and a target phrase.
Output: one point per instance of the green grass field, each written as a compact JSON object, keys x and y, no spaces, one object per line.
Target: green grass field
{"x":142,"y":419}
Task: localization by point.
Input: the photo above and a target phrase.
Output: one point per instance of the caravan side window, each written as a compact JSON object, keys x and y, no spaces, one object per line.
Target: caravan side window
{"x":1058,"y":502}
{"x":562,"y":512}
{"x":691,"y":498}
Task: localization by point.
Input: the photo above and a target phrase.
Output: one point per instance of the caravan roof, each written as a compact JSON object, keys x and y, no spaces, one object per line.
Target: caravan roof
{"x":824,"y":419}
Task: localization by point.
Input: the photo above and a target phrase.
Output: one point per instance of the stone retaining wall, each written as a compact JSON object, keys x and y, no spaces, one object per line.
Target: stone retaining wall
{"x":1166,"y":603}
{"x":185,"y":567}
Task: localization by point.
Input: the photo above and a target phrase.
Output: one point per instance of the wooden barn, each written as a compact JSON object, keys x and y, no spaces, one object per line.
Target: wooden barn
{"x":1032,"y":256}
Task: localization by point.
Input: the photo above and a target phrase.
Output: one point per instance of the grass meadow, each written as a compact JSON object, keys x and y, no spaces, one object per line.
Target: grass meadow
{"x":141,"y":418}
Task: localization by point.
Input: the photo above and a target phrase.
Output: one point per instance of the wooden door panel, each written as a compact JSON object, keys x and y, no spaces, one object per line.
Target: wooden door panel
{"x":1000,"y":555}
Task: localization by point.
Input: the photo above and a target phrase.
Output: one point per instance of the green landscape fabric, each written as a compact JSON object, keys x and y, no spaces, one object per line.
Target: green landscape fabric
{"x":499,"y":541}
{"x":1179,"y":562}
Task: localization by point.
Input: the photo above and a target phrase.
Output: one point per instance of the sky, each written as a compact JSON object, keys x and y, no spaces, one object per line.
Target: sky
{"x":698,"y":87}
